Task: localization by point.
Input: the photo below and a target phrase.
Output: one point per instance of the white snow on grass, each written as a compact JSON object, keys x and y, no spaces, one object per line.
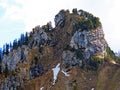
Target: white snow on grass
{"x":55,"y":72}
{"x":42,"y":88}
{"x":65,"y":73}
{"x":92,"y":89}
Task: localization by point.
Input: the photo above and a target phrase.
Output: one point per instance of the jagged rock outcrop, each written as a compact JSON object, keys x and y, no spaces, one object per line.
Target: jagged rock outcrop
{"x":40,"y":38}
{"x":92,"y":41}
{"x":59,"y":18}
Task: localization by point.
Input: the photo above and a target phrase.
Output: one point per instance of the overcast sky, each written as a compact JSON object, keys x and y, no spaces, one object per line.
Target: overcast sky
{"x":17,"y":16}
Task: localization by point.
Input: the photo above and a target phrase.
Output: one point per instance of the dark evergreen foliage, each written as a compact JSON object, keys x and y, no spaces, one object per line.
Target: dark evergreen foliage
{"x":7,"y":49}
{"x":87,"y":21}
{"x":110,"y":53}
{"x":75,"y":11}
{"x":94,"y":63}
{"x":26,"y":39}
{"x":15,"y":44}
{"x":10,"y":46}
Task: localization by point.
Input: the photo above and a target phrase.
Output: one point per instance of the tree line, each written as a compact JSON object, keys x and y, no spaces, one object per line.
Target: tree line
{"x":23,"y":40}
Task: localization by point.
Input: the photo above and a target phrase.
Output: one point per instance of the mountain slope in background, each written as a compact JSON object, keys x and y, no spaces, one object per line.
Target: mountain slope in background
{"x":72,"y":56}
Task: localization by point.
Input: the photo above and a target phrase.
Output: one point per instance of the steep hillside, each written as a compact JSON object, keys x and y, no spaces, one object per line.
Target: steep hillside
{"x":72,"y":56}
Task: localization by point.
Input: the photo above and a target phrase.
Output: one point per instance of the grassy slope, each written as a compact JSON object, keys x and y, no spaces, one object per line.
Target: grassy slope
{"x":107,"y":78}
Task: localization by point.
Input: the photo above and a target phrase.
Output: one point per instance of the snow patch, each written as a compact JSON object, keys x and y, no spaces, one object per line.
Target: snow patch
{"x":55,"y":72}
{"x":92,"y":89}
{"x":42,"y":88}
{"x":65,"y":73}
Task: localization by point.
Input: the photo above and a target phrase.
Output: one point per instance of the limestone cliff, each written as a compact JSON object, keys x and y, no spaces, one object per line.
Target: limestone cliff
{"x":65,"y":57}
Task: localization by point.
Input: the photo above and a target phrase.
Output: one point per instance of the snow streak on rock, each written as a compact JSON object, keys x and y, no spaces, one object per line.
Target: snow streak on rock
{"x":55,"y":72}
{"x":65,"y":73}
{"x":42,"y":88}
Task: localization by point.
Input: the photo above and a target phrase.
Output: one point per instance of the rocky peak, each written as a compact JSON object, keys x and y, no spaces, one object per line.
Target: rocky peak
{"x":77,"y":41}
{"x":86,"y":37}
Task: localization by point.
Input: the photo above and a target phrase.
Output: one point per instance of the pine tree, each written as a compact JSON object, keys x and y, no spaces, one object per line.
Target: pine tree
{"x":22,"y":39}
{"x":26,"y":38}
{"x":10,"y":46}
{"x":15,"y":44}
{"x":19,"y":43}
{"x":7,"y":49}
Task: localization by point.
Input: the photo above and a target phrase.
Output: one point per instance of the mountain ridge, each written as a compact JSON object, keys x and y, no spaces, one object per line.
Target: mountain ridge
{"x":72,"y":56}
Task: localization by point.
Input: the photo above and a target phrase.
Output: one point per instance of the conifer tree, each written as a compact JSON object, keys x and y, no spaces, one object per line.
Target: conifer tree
{"x":26,"y":38}
{"x":7,"y":49}
{"x":22,"y":39}
{"x":10,"y":46}
{"x":15,"y":44}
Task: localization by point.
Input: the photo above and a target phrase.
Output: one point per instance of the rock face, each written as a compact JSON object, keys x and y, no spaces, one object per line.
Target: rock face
{"x":14,"y":57}
{"x":77,"y":41}
{"x":59,"y":18}
{"x":92,"y":41}
{"x":40,"y":38}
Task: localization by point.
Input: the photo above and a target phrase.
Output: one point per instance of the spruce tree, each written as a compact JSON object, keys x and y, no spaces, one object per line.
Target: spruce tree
{"x":15,"y":44}
{"x":7,"y":49}
{"x":26,"y":38}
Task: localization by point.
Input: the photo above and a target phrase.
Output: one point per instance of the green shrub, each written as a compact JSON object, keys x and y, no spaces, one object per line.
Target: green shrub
{"x":75,"y":87}
{"x":110,"y":53}
{"x":46,"y":28}
{"x":94,"y":62}
{"x":117,"y":59}
{"x":96,"y":22}
{"x":87,"y":22}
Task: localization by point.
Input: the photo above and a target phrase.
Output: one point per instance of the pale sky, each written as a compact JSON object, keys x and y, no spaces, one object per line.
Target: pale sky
{"x":18,"y":16}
